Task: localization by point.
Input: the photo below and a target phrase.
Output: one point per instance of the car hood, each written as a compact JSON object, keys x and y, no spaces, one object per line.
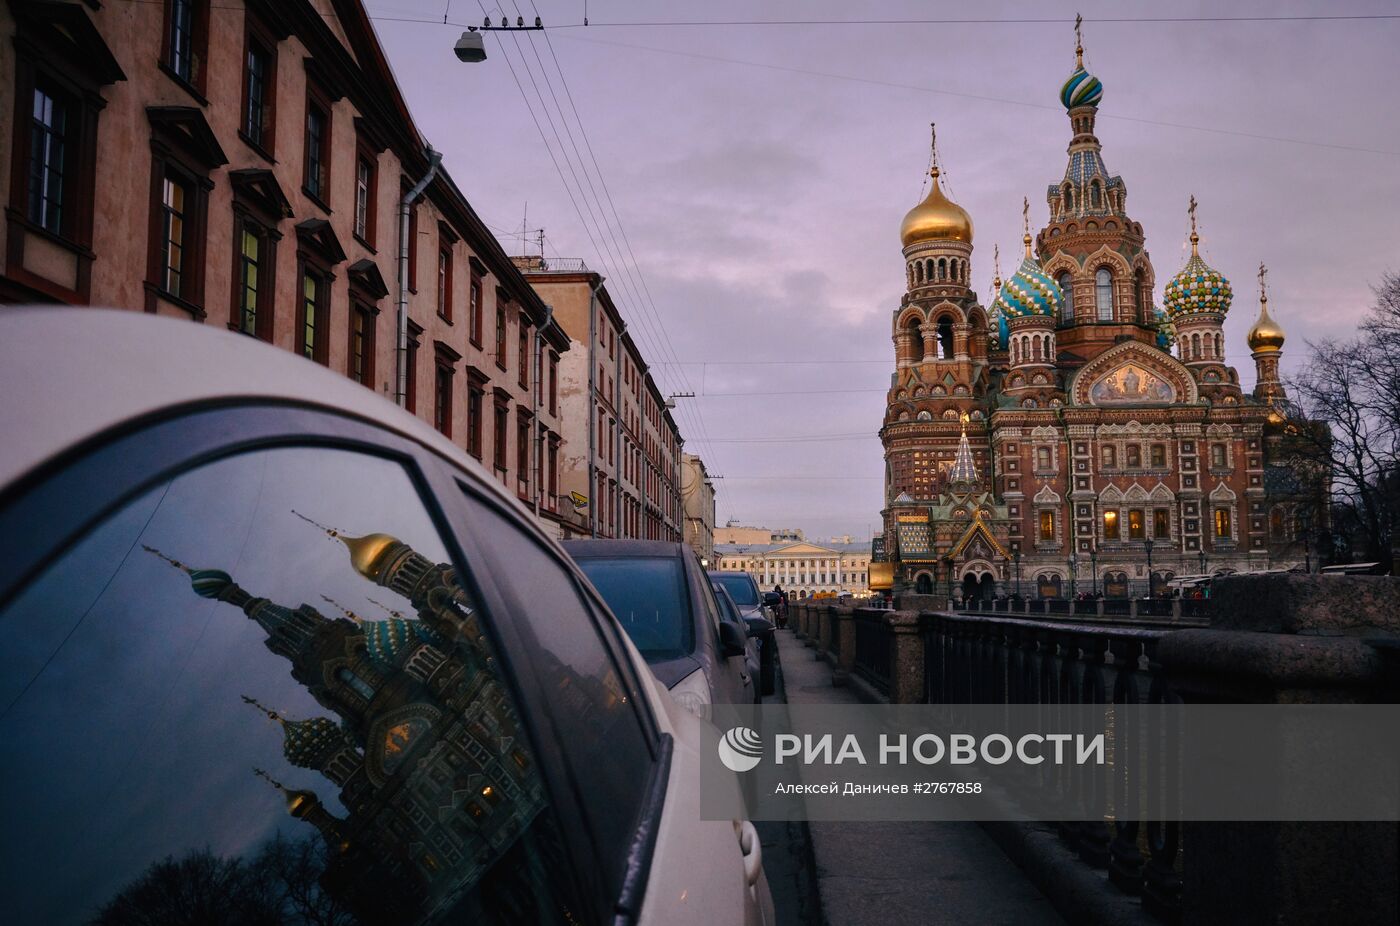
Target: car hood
{"x":670,"y":671}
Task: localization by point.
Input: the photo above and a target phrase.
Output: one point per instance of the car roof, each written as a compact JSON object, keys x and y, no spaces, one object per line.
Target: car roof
{"x":729,"y":572}
{"x":601,"y":547}
{"x":70,"y":374}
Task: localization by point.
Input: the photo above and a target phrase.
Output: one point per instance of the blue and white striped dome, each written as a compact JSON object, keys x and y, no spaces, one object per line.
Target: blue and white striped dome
{"x":1081,"y":89}
{"x":1029,"y":292}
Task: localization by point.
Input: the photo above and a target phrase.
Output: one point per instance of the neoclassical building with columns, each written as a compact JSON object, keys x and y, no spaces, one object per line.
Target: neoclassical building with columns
{"x":1073,"y":436}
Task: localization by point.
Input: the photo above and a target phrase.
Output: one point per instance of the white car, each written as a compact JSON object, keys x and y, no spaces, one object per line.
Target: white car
{"x":277,"y":651}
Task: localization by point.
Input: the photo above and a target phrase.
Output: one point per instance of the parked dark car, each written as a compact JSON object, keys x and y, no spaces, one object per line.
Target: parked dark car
{"x":661,"y":595}
{"x":762,"y":648}
{"x":278,"y":651}
{"x":757,"y":617}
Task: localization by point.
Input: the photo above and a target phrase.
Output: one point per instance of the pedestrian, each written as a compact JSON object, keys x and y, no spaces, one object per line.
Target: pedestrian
{"x":782,"y":606}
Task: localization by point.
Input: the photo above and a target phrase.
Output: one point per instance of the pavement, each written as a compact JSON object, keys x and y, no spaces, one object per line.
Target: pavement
{"x":887,"y":873}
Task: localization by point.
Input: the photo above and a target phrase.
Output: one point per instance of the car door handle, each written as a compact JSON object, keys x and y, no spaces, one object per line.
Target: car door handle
{"x":752,"y":847}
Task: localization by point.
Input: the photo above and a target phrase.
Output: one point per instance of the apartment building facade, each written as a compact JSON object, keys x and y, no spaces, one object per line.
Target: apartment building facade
{"x":242,"y":164}
{"x":620,"y":465}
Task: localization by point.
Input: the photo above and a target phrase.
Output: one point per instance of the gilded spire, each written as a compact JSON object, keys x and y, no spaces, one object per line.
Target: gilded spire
{"x":1026,"y":224}
{"x":342,"y":609}
{"x":1078,"y":41}
{"x":365,"y":551}
{"x":391,"y":612}
{"x":1195,"y":238}
{"x":996,"y":268}
{"x":1266,"y":336}
{"x":933,"y":151}
{"x":174,"y":562}
{"x":271,"y":714}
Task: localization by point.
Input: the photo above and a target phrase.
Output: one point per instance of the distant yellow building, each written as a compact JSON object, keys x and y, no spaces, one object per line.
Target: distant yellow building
{"x":803,"y":569}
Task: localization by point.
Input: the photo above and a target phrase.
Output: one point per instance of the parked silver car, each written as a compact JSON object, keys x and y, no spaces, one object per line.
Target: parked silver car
{"x":278,"y":651}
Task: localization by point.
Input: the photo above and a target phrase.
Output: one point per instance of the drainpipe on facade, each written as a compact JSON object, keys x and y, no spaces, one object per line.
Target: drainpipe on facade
{"x":617,"y":438}
{"x":405,"y":210}
{"x":593,"y":406}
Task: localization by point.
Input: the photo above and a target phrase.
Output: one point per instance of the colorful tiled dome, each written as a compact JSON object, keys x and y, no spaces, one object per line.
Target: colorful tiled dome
{"x":1029,"y":292}
{"x":998,"y":328}
{"x":1196,"y":290}
{"x":386,"y":640}
{"x":1081,"y":89}
{"x":308,"y":743}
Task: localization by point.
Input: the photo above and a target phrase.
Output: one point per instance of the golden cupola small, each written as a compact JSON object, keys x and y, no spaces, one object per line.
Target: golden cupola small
{"x":937,"y":218}
{"x":1266,"y":347}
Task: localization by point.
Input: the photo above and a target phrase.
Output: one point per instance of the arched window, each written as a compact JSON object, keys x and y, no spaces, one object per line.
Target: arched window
{"x":1067,"y":287}
{"x":945,"y":337}
{"x":928,"y":270}
{"x":1195,"y":347}
{"x":916,"y":339}
{"x":942,"y":269}
{"x":1139,"y":303}
{"x":1103,"y":294}
{"x":1095,"y":196}
{"x":1219,"y":348}
{"x":1069,"y":198}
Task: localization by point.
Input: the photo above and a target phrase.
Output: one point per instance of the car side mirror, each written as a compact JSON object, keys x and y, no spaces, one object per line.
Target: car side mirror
{"x":731,"y":640}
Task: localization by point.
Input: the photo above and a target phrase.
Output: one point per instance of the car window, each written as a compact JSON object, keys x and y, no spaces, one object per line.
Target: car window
{"x":647,"y":596}
{"x":740,"y":588}
{"x":259,"y":693}
{"x":602,"y":736}
{"x":727,"y":609}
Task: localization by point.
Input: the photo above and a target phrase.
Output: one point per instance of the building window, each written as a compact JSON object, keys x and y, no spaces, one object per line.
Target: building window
{"x":48,"y":161}
{"x":361,"y":367}
{"x":186,"y":38}
{"x":444,"y":282}
{"x":553,"y":461}
{"x":1218,"y":456}
{"x":1161,"y":523}
{"x":522,"y":452}
{"x":524,"y":354}
{"x":1137,"y":524}
{"x":501,"y":423}
{"x":365,"y":177}
{"x":310,"y":337}
{"x":1042,"y":458}
{"x":1134,"y":455}
{"x":1047,"y":525}
{"x":1109,"y":456}
{"x":1067,"y":287}
{"x":474,"y":310}
{"x":318,"y":151}
{"x":1222,"y":523}
{"x":442,"y":396}
{"x":258,"y":94}
{"x":1110,"y":525}
{"x":253,"y":292}
{"x":1159,"y":456}
{"x":553,"y":383}
{"x":1103,"y":294}
{"x":411,"y":386}
{"x":175,"y":193}
{"x":501,"y":337}
{"x":1276,"y":523}
{"x":476,"y":400}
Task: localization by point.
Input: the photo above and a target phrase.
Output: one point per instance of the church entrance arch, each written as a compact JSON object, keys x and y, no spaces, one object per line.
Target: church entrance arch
{"x":923,"y":584}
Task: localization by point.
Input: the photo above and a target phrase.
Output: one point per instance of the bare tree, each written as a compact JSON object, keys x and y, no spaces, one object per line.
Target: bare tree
{"x":1353,"y":387}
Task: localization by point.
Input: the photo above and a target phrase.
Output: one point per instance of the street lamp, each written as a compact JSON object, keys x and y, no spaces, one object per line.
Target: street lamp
{"x":1203,"y":562}
{"x":1094,"y":566}
{"x":1147,"y":545}
{"x":1073,"y":569}
{"x":1016,"y":555}
{"x":1307,"y":543}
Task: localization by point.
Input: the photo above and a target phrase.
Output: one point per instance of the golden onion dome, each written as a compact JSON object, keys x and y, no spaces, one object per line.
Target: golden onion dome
{"x":301,"y":803}
{"x":365,"y":552}
{"x":937,"y":218}
{"x":1267,"y":335}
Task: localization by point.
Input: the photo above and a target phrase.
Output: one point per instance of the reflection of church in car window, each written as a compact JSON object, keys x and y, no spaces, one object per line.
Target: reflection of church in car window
{"x":434,"y":773}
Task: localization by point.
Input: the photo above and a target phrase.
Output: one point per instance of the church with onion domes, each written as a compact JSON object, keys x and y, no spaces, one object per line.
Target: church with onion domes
{"x":1074,"y":436}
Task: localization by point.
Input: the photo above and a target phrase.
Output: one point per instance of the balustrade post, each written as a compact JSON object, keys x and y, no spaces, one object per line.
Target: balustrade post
{"x":907,"y":658}
{"x":844,"y":618}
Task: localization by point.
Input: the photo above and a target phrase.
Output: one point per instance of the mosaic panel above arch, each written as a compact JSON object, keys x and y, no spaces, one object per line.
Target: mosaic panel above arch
{"x":1133,"y":374}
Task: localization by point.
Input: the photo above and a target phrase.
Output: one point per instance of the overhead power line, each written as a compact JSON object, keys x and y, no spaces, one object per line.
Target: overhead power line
{"x":972,"y":21}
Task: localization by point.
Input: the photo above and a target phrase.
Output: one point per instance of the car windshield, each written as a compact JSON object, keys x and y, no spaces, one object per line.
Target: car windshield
{"x":740,"y":588}
{"x":647,"y":595}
